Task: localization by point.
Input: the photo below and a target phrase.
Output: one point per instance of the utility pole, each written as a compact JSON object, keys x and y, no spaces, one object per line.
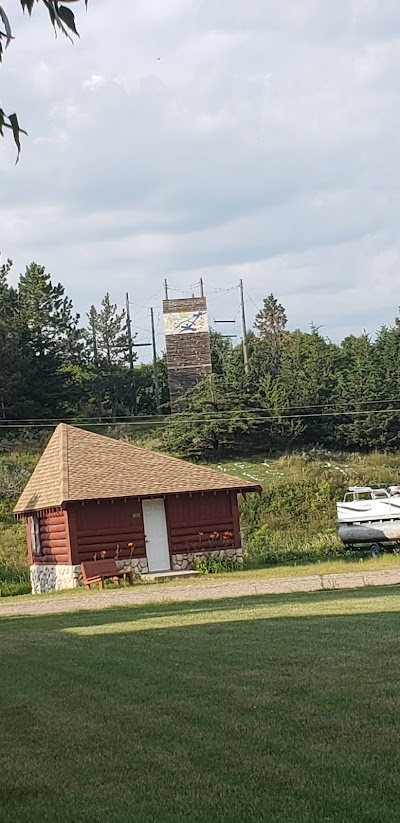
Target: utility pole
{"x":244,"y":330}
{"x":92,"y":319}
{"x":130,"y":352}
{"x":165,"y":289}
{"x":201,"y":287}
{"x":156,"y":383}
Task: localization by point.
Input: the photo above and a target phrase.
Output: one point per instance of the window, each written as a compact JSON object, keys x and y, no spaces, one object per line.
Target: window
{"x":35,"y":534}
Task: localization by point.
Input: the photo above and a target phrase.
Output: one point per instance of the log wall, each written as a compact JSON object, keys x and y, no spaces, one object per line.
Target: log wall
{"x":106,"y":526}
{"x":54,"y":538}
{"x":203,"y":522}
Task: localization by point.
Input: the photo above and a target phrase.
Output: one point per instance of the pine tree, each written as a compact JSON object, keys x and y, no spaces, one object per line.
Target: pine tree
{"x":307,"y":375}
{"x":387,"y":386}
{"x":357,"y":387}
{"x":51,"y":341}
{"x":271,"y":323}
{"x":213,"y":423}
{"x":11,"y":354}
{"x":108,"y":344}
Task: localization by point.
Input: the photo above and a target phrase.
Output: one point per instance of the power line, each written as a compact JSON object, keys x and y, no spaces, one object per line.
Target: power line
{"x":250,"y":410}
{"x":251,"y":299}
{"x":184,"y":289}
{"x":213,"y":418}
{"x":223,"y":290}
{"x":148,"y":300}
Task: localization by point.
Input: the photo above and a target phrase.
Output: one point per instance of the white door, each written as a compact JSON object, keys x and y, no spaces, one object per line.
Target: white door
{"x":155,"y":529}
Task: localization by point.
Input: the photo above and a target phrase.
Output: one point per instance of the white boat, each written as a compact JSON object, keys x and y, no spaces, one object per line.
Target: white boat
{"x":369,"y":515}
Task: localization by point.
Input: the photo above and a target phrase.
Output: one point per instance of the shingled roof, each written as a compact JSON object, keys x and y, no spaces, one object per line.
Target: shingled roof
{"x":80,"y":465}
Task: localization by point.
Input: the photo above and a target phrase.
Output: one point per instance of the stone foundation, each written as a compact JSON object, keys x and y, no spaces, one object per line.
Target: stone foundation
{"x":53,"y":577}
{"x":137,"y":564}
{"x":56,"y":576}
{"x":181,"y":562}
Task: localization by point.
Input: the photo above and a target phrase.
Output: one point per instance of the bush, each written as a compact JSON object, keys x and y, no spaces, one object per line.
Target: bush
{"x":294,"y":520}
{"x":14,"y":579}
{"x":14,"y":589}
{"x":216,"y":565}
{"x":297,"y":544}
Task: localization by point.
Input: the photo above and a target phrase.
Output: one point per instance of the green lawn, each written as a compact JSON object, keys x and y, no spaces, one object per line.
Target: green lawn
{"x":273,"y":709}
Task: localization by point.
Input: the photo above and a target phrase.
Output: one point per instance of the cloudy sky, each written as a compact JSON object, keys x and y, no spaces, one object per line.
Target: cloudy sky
{"x":213,"y":138}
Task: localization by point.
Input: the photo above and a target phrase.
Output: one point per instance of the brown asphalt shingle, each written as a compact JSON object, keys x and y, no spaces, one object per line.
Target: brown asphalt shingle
{"x":80,"y":465}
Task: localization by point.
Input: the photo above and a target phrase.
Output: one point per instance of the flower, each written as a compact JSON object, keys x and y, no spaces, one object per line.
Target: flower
{"x":130,"y":545}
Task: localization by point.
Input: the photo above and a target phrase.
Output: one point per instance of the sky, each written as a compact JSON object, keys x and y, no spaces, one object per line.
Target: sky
{"x":219,"y":139}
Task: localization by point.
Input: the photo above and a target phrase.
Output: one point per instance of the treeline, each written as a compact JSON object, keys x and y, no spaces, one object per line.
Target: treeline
{"x":300,"y":390}
{"x":55,"y":365}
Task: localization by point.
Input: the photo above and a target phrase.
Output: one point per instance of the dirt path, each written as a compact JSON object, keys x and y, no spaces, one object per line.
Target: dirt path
{"x":209,"y":590}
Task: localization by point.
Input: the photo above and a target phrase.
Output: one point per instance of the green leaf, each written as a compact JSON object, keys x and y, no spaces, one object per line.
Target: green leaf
{"x":67,"y":16}
{"x":7,"y":26}
{"x":16,"y":130}
{"x":27,"y":4}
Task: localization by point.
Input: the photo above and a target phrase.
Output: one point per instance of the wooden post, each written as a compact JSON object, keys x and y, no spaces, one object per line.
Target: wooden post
{"x":156,"y":383}
{"x":201,"y":287}
{"x":165,"y":289}
{"x":244,"y":330}
{"x":130,"y":353}
{"x":92,"y":315}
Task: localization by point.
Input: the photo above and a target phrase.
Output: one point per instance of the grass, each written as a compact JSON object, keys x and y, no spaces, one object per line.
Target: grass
{"x":295,"y":520}
{"x":276,"y":709}
{"x":348,"y":564}
{"x":14,"y":571}
{"x":316,"y":465}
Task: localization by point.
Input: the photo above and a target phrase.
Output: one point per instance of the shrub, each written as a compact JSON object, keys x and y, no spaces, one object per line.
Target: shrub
{"x":266,"y":546}
{"x":215,"y":565}
{"x":14,"y":579}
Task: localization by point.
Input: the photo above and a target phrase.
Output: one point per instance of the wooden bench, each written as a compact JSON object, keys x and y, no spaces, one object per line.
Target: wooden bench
{"x":97,"y":571}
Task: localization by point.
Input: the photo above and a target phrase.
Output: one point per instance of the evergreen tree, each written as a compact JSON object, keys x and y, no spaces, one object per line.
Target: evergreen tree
{"x":358,"y":425}
{"x":11,"y":354}
{"x":47,"y":314}
{"x":108,"y":344}
{"x":271,"y":323}
{"x":50,"y":339}
{"x":387,"y":385}
{"x":307,"y":377}
{"x":212,"y":423}
{"x":221,"y":349}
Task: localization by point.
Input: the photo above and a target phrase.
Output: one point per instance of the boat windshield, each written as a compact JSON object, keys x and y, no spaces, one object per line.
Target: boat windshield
{"x":355,"y":495}
{"x":364,"y":494}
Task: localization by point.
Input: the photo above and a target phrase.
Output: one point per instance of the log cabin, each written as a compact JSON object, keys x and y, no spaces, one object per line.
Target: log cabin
{"x":93,"y":497}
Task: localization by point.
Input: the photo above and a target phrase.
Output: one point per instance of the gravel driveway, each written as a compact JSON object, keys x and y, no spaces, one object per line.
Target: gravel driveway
{"x":209,"y":590}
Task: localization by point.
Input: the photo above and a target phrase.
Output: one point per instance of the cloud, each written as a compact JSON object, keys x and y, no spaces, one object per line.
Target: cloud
{"x":226,"y":139}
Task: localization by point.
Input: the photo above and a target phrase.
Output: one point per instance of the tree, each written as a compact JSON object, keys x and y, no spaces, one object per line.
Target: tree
{"x":62,"y":19}
{"x":47,"y":314}
{"x":144,"y":383}
{"x":109,"y":350}
{"x":356,"y":390}
{"x":308,"y":378}
{"x":221,"y":349}
{"x":213,"y":422}
{"x":11,"y":377}
{"x":49,"y":339}
{"x":271,"y":323}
